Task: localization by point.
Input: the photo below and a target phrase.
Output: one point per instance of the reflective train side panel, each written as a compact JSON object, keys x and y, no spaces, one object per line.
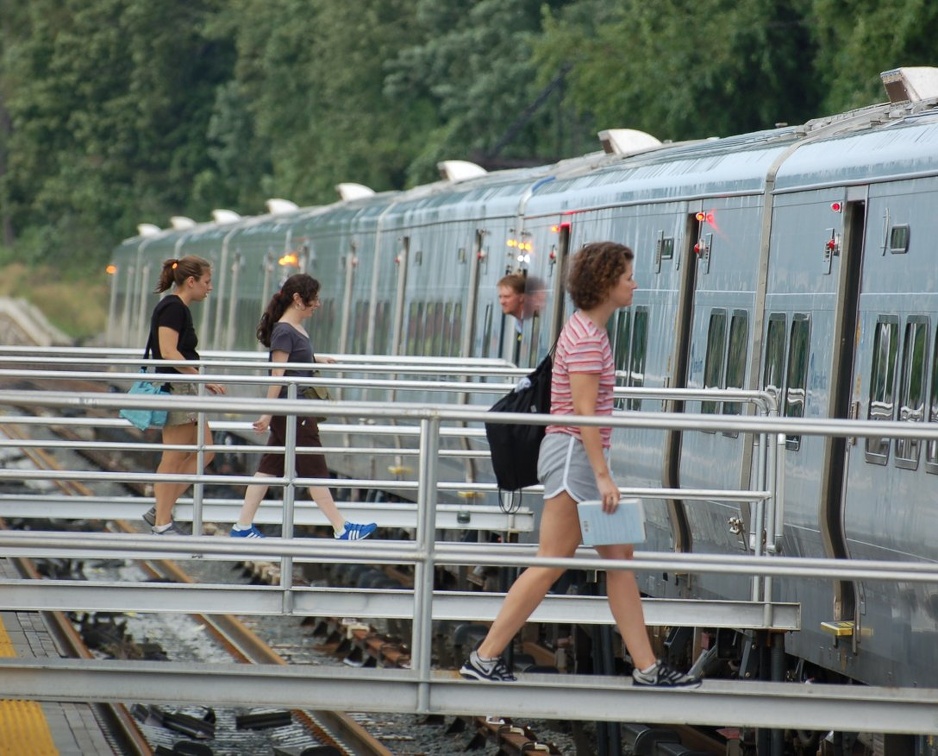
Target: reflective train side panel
{"x":868,"y":198}
{"x":797,"y":260}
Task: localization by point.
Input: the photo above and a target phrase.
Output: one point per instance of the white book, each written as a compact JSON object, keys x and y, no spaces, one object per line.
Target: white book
{"x":625,"y":525}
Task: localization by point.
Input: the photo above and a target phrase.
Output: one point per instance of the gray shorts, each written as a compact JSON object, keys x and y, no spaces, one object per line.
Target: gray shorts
{"x":182,"y":417}
{"x":562,"y":465}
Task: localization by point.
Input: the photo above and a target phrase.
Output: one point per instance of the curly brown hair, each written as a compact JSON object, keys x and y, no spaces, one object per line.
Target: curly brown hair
{"x":595,"y":270}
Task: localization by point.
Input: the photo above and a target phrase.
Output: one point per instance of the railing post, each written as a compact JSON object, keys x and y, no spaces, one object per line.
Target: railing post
{"x":423,"y":570}
{"x":289,"y":499}
{"x":198,"y":487}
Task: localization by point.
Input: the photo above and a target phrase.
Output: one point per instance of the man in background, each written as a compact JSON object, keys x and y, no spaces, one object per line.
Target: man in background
{"x":511,"y":295}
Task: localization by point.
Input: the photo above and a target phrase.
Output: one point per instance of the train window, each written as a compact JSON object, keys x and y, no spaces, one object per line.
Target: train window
{"x":796,"y":378}
{"x":456,"y":330}
{"x":899,"y":239}
{"x":414,"y":326}
{"x":446,"y":343}
{"x":325,"y":327}
{"x":380,"y":345}
{"x":620,"y":352}
{"x":716,"y":358}
{"x":487,"y":332}
{"x":361,"y":328}
{"x":736,"y":360}
{"x":638,"y":354}
{"x":931,"y":446}
{"x":883,"y":384}
{"x":772,"y":375}
{"x":533,"y":346}
{"x":912,"y":388}
{"x":434,"y":328}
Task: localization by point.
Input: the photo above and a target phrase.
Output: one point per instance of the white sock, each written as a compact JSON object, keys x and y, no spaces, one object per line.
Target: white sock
{"x":239,"y":526}
{"x":162,"y":528}
{"x":650,"y":669}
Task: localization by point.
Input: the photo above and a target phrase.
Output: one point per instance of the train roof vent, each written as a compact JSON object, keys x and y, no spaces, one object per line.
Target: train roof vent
{"x":278,"y":206}
{"x":626,"y":141}
{"x":147,"y":229}
{"x":350,"y":191}
{"x":911,"y":84}
{"x":459,"y":170}
{"x":181,"y":222}
{"x":225,"y":216}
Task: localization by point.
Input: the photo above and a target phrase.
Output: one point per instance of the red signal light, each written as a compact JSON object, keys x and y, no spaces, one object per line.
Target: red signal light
{"x":837,"y":207}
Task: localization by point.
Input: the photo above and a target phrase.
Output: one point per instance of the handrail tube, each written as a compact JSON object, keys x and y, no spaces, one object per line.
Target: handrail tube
{"x":18,"y":543}
{"x":461,"y":413}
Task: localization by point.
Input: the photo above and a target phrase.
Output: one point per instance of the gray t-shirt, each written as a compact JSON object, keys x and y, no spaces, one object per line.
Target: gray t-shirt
{"x":285,"y":338}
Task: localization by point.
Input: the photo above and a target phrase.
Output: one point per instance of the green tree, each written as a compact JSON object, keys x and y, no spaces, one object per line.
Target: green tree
{"x":474,"y":65}
{"x":109,"y":113}
{"x":313,"y":77}
{"x":856,"y":40}
{"x":681,"y":69}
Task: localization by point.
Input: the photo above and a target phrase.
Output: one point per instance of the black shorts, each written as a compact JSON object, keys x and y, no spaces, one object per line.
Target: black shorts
{"x":309,"y":465}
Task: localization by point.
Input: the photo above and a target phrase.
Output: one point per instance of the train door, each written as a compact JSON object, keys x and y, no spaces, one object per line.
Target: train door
{"x":476,"y":256}
{"x":811,"y":320}
{"x":686,"y":278}
{"x":544,"y":267}
{"x":649,"y":342}
{"x":712,"y":352}
{"x":837,"y":457}
{"x":887,"y":502}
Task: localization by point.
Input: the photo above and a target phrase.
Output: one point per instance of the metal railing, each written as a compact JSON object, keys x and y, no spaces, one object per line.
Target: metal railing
{"x":428,"y":425}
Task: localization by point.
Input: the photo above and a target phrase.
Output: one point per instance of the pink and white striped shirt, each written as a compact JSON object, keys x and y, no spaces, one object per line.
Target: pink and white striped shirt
{"x":583,"y":347}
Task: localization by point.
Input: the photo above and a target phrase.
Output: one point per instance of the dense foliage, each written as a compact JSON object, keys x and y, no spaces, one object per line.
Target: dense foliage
{"x":114,"y":112}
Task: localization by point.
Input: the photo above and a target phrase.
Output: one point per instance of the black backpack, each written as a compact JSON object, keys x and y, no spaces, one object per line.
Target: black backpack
{"x":514,"y":448}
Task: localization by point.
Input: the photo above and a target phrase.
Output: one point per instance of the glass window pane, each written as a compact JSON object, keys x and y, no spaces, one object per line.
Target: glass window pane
{"x":456,"y":331}
{"x":883,"y":380}
{"x":772,"y":377}
{"x":621,"y":351}
{"x":639,"y":348}
{"x":797,"y":374}
{"x":487,"y":344}
{"x":736,"y":358}
{"x":716,"y":351}
{"x":931,"y":447}
{"x":912,"y":399}
{"x":414,"y":320}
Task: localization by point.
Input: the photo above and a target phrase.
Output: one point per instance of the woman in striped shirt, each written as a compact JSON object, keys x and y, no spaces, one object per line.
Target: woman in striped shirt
{"x":573,"y":467}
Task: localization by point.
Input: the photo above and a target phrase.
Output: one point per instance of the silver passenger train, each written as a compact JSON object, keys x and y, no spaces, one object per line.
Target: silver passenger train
{"x":793,"y":260}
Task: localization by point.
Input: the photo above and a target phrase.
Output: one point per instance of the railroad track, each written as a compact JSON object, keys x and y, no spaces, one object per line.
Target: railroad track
{"x":361,"y":644}
{"x":336,"y":729}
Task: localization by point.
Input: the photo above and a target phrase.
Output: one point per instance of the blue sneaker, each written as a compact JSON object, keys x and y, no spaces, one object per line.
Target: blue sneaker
{"x":251,"y":532}
{"x":355,"y":532}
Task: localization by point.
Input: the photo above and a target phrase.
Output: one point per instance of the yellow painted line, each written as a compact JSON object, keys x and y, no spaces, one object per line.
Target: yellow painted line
{"x":24,"y":730}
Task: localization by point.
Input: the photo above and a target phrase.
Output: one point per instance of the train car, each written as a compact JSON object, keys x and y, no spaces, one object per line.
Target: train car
{"x":792,"y":260}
